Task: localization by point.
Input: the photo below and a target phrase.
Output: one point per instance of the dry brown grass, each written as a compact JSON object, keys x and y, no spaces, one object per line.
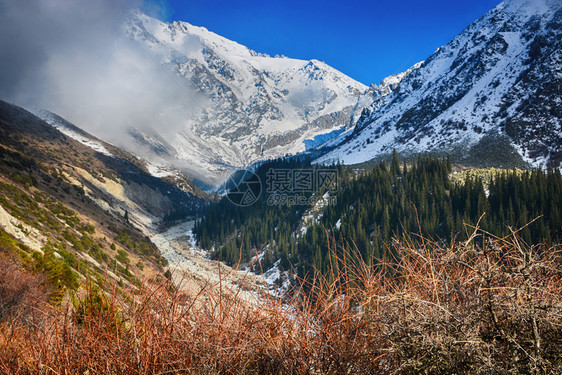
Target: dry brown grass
{"x":490,"y":308}
{"x":21,"y":292}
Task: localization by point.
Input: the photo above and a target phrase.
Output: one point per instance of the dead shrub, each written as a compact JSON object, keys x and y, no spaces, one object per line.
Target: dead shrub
{"x":489,"y":305}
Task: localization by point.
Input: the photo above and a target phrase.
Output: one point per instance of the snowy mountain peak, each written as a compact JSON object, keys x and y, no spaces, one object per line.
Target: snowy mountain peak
{"x":390,"y":83}
{"x":493,"y":90}
{"x":528,"y":7}
{"x":240,"y":106}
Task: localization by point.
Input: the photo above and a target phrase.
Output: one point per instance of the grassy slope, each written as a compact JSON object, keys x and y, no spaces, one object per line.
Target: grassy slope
{"x":43,"y":189}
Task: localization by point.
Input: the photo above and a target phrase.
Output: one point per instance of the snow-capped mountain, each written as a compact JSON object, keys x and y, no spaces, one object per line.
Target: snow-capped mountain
{"x":240,"y":106}
{"x":497,"y":84}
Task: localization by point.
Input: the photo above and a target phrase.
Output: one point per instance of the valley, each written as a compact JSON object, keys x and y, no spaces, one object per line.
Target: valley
{"x":221,"y":210}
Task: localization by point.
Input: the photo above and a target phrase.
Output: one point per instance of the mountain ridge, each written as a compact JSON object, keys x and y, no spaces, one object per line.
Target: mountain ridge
{"x":480,"y":86}
{"x":244,"y":106}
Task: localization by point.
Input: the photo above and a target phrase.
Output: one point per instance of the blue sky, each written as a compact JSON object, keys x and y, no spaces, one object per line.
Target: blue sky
{"x":367,"y":40}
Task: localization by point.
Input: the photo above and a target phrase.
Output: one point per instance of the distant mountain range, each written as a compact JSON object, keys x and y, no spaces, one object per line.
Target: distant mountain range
{"x":490,"y":97}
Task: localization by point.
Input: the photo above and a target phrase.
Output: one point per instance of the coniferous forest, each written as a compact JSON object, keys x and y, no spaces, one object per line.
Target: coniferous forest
{"x":387,"y":201}
{"x":175,"y":202}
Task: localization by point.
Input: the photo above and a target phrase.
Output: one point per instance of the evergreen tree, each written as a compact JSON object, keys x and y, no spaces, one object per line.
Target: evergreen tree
{"x":374,"y":205}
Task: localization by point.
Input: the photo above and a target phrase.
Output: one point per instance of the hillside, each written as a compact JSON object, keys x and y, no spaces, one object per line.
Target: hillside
{"x":291,"y":230}
{"x":68,"y":207}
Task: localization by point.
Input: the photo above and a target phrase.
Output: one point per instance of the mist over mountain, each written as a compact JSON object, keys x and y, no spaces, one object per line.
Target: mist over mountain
{"x":185,"y":98}
{"x":175,"y":94}
{"x":237,"y":106}
{"x":73,"y":59}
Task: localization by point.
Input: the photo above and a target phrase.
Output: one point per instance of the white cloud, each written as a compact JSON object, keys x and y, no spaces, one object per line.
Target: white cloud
{"x":72,"y":58}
